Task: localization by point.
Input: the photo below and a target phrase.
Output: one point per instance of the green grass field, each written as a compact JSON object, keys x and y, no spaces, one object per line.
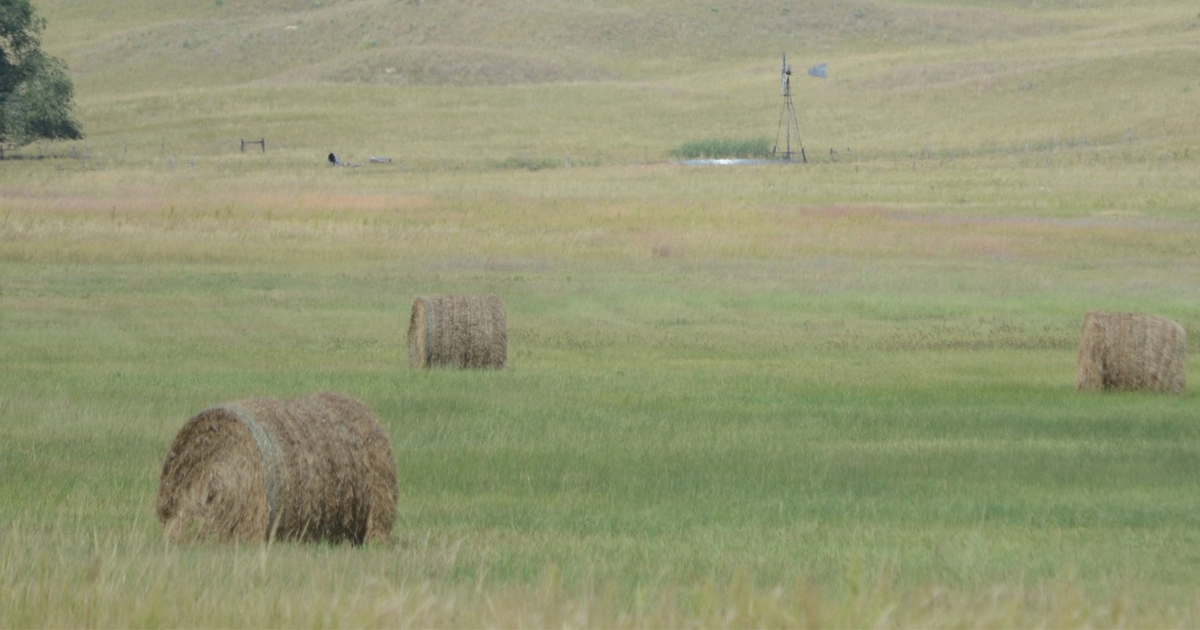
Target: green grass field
{"x":833,"y":394}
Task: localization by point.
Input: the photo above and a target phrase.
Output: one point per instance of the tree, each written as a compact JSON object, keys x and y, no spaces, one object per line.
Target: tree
{"x":36,"y":95}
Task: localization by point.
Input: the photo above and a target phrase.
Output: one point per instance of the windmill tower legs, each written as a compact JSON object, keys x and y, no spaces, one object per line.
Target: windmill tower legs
{"x":788,"y":117}
{"x":788,"y":114}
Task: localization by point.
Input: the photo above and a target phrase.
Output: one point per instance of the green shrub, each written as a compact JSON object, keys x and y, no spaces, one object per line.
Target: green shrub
{"x":724,"y":148}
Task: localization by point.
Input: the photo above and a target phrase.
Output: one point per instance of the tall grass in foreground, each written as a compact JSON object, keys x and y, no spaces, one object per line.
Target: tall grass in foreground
{"x":62,"y":576}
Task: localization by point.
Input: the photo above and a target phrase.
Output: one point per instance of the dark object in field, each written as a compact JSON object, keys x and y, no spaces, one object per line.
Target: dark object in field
{"x":333,"y":159}
{"x":313,"y":468}
{"x":462,"y":331}
{"x":1131,"y":351}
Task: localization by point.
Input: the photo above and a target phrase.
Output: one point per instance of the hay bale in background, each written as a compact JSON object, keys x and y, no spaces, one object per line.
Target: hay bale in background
{"x":1130,"y":351}
{"x":317,"y":467}
{"x":462,"y":331}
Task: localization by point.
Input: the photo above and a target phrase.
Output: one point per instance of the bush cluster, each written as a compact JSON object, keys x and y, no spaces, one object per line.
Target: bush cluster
{"x":724,"y":148}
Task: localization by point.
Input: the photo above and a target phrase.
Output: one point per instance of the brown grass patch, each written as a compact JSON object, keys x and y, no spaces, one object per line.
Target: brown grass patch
{"x":1131,"y":351}
{"x":317,"y":467}
{"x":340,"y":201}
{"x":840,"y":212}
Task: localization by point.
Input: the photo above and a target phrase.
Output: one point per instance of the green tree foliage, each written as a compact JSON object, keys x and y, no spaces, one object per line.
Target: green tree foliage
{"x":36,"y":95}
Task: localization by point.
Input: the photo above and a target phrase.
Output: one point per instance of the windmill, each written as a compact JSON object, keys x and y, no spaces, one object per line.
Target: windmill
{"x":789,"y":109}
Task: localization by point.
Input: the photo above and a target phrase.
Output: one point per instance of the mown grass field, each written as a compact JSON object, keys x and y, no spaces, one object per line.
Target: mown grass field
{"x":833,"y":394}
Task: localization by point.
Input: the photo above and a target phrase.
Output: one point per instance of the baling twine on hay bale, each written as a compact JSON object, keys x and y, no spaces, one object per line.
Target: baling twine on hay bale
{"x":461,"y":331}
{"x":1131,"y":351}
{"x":313,"y":468}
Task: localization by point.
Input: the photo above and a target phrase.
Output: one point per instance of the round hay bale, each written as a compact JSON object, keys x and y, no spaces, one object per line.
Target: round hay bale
{"x":1131,"y":351}
{"x":317,"y":467}
{"x":462,"y":331}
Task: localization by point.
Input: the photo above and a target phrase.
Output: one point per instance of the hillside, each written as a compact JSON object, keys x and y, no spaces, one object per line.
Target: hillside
{"x":142,"y":46}
{"x":613,"y":81}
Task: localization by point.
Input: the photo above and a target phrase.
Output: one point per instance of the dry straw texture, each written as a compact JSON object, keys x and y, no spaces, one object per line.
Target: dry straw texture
{"x":462,"y":331}
{"x":317,"y":467}
{"x":1131,"y":351}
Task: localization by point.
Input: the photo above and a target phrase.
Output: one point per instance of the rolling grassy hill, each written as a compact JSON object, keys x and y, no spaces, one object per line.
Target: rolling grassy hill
{"x":169,"y":45}
{"x":630,"y":81}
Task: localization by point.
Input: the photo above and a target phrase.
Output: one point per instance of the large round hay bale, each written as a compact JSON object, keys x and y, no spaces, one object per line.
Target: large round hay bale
{"x":317,"y":467}
{"x":1131,"y":351}
{"x":462,"y":331}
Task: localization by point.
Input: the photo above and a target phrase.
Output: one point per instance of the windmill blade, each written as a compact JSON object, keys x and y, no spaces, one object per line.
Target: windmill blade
{"x":821,"y":71}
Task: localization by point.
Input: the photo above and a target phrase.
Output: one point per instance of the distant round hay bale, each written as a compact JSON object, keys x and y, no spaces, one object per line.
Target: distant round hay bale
{"x":462,"y":331}
{"x":317,"y":467}
{"x":1131,"y":351}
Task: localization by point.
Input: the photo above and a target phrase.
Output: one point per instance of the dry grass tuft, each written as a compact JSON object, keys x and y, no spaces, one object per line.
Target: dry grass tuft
{"x":317,"y":467}
{"x":462,"y":331}
{"x":1130,"y":351}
